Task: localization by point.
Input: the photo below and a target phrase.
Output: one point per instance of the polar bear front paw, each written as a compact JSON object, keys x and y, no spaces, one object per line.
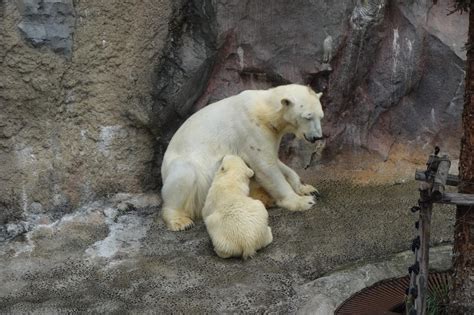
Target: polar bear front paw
{"x":297,"y":203}
{"x":305,"y":190}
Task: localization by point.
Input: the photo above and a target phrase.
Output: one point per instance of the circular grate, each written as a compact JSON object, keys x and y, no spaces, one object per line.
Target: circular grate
{"x":388,"y":296}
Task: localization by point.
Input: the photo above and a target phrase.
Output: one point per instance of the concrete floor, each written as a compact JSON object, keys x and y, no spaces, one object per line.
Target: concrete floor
{"x":107,"y":257}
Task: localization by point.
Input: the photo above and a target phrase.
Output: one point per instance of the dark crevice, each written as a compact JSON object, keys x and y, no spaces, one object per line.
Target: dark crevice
{"x":184,"y":70}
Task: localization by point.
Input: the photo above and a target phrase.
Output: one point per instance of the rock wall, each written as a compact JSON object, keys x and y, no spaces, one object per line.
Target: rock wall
{"x":91,"y":91}
{"x":75,"y":105}
{"x":392,"y":73}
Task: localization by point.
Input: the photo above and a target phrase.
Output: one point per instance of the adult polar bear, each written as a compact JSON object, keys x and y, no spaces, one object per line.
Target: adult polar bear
{"x":250,"y":125}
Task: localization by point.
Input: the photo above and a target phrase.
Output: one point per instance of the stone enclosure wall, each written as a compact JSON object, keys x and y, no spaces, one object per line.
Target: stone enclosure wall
{"x":91,"y":91}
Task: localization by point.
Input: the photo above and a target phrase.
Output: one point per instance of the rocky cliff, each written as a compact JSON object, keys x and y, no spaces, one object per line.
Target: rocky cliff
{"x":91,"y":91}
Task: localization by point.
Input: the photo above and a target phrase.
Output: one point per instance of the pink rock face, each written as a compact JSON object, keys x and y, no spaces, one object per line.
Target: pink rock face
{"x":394,"y":80}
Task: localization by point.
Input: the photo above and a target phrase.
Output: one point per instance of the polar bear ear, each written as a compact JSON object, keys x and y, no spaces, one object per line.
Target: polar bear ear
{"x":285,"y":102}
{"x":250,"y":173}
{"x":319,"y":94}
{"x":224,"y":164}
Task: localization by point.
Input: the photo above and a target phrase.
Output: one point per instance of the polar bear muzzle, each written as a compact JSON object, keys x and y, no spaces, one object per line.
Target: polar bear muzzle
{"x":313,"y":139}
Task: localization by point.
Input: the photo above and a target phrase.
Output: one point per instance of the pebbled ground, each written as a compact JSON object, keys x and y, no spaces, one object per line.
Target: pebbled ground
{"x":115,"y":256}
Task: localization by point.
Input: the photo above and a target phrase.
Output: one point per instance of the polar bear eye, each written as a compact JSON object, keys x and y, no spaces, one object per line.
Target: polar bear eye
{"x":308,"y":117}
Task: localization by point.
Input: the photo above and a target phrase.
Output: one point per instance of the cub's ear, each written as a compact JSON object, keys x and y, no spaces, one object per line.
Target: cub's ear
{"x":224,"y":164}
{"x":285,"y":102}
{"x":250,"y":173}
{"x":319,"y":94}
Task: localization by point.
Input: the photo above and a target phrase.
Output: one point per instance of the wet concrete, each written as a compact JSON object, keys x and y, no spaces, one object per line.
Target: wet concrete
{"x":115,"y":256}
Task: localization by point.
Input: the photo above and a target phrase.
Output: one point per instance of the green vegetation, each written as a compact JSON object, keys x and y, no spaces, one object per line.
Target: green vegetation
{"x":437,"y":301}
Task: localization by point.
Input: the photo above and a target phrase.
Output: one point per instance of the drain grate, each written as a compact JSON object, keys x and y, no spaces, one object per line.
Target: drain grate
{"x":388,"y":296}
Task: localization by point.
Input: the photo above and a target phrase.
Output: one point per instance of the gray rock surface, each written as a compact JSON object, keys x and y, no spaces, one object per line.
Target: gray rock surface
{"x":48,"y":23}
{"x":184,"y":69}
{"x":73,"y":130}
{"x":105,"y":259}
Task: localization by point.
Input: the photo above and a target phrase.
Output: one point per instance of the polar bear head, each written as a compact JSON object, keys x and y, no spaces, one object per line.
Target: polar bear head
{"x":232,"y":164}
{"x":301,"y":110}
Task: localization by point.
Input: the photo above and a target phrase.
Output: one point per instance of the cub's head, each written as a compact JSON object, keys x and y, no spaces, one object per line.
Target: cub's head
{"x":232,"y":164}
{"x":302,"y":111}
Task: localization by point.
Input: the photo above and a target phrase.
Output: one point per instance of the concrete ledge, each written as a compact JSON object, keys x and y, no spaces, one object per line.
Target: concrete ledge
{"x":325,"y":294}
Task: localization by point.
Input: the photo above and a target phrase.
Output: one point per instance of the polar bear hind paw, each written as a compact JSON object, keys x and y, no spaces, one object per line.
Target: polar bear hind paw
{"x":222,"y":254}
{"x":248,"y":253}
{"x":179,"y":223}
{"x":269,"y":237}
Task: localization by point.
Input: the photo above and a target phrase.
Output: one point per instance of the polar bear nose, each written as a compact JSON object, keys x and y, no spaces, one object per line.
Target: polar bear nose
{"x":314,"y":139}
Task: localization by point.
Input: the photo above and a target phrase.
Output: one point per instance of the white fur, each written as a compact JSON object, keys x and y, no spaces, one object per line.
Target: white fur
{"x":236,"y":223}
{"x":250,"y":125}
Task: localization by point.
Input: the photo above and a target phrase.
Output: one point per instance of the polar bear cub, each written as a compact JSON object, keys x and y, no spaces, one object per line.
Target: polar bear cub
{"x":236,"y":223}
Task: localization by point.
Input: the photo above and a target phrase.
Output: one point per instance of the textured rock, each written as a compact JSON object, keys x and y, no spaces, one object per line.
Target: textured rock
{"x":439,"y":21}
{"x":75,"y":129}
{"x":103,"y":259}
{"x":393,"y":85}
{"x":48,"y":23}
{"x":184,"y":69}
{"x":381,"y":102}
{"x":393,"y":107}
